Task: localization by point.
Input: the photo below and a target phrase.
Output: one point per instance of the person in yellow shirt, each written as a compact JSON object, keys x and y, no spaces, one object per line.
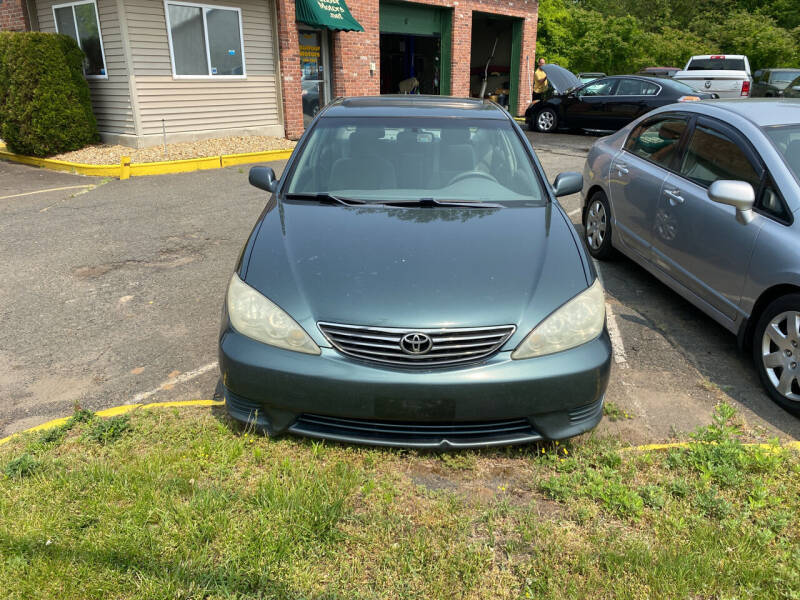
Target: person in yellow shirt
{"x":540,"y":83}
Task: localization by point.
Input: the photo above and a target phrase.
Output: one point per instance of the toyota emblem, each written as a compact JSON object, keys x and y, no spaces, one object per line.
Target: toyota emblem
{"x":416,"y":343}
{"x":708,"y":83}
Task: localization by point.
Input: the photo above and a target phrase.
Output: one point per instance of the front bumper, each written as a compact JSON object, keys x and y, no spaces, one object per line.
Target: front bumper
{"x":496,"y":402}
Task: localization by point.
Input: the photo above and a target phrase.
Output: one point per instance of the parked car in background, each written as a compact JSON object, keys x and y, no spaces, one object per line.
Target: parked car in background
{"x":706,"y":196}
{"x":727,"y":75}
{"x":661,"y":72}
{"x":770,"y":83}
{"x":487,"y":329}
{"x":587,"y":77}
{"x":607,"y":104}
{"x":793,"y":89}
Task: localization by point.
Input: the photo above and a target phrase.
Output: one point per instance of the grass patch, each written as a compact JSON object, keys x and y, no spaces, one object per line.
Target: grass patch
{"x":177,"y":504}
{"x":613,"y":412}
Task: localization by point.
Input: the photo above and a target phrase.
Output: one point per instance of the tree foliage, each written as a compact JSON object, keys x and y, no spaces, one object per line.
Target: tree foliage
{"x":626,"y":35}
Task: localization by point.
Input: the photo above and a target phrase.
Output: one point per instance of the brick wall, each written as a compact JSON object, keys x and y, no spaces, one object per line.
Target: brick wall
{"x":14,"y":16}
{"x":354,"y":52}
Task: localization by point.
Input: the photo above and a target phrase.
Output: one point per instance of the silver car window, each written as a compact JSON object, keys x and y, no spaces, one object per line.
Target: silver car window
{"x":787,"y":141}
{"x":657,"y":141}
{"x":712,"y":155}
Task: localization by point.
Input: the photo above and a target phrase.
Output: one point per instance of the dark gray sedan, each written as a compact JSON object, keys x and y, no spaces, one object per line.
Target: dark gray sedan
{"x":705,"y":196}
{"x":413,"y":282}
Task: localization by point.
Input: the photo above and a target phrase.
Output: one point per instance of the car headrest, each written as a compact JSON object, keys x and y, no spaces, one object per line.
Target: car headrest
{"x":455,"y":136}
{"x":364,"y":142}
{"x":793,"y":156}
{"x":671,"y":130}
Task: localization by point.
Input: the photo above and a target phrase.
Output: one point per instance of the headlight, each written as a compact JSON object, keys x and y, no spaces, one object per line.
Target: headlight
{"x":579,"y":321}
{"x":251,"y":314}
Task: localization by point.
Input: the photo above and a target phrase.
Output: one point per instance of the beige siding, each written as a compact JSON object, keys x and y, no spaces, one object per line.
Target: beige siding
{"x":189,"y":105}
{"x":110,"y":97}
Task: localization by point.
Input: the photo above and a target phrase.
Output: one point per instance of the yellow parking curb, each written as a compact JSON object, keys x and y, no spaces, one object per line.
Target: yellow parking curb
{"x":126,"y":168}
{"x":669,"y":446}
{"x":126,"y":408}
{"x":116,"y":411}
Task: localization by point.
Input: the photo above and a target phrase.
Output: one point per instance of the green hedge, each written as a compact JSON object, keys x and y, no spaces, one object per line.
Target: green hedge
{"x":45,"y":106}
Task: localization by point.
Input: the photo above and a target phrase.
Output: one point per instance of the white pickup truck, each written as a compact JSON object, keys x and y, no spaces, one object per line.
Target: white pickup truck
{"x":727,"y":75}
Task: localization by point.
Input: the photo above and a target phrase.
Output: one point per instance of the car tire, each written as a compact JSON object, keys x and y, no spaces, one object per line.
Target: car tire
{"x":597,"y":227}
{"x":778,"y":353}
{"x":546,"y":120}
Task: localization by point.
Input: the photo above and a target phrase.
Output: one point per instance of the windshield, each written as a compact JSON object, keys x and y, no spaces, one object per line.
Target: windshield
{"x":787,"y":140}
{"x":383,"y":159}
{"x":716,"y":64}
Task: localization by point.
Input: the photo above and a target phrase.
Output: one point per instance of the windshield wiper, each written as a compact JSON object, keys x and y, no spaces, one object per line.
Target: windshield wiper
{"x":325,"y":197}
{"x":433,"y":202}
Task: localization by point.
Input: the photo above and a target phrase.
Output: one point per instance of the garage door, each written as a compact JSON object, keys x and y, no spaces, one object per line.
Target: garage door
{"x":418,"y":19}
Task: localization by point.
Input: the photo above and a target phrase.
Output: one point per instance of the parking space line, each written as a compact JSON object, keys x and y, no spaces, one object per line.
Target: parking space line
{"x":617,"y":347}
{"x":182,"y":378}
{"x":58,"y":189}
{"x":572,"y":213}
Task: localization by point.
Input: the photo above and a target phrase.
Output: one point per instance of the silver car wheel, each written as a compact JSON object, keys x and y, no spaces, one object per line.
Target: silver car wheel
{"x":545,"y":120}
{"x":596,"y":225}
{"x":780,"y":351}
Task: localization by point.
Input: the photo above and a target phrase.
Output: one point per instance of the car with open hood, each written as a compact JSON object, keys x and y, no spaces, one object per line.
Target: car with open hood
{"x":413,"y":281}
{"x":605,"y":104}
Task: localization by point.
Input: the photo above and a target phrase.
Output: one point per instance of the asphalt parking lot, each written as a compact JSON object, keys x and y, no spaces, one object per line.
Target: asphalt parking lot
{"x":112,"y":294}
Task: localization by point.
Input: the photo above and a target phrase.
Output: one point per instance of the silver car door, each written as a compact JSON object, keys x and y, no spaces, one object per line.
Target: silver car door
{"x":636,"y":176}
{"x":698,"y":242}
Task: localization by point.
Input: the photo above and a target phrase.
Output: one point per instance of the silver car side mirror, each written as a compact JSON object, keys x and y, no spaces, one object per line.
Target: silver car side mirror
{"x":567,"y":183}
{"x":738,"y":194}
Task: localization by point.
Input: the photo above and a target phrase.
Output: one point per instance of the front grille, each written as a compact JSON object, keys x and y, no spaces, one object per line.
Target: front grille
{"x":448,"y":346}
{"x":419,"y":435}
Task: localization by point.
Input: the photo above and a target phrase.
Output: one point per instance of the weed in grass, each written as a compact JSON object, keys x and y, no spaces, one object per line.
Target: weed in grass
{"x":81,"y":415}
{"x":22,"y":466}
{"x":458,"y":461}
{"x":108,"y":431}
{"x":712,"y":504}
{"x":614,"y":413}
{"x":652,"y":496}
{"x":678,"y":488}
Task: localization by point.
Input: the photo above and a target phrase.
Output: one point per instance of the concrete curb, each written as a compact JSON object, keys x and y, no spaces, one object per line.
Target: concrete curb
{"x":125,"y":169}
{"x":115,"y":411}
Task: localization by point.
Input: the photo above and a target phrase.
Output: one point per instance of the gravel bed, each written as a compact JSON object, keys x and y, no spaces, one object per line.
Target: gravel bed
{"x":103,"y":154}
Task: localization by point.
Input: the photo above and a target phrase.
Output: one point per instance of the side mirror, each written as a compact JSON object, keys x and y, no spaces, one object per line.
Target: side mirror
{"x":738,"y":194}
{"x":263,"y":178}
{"x":567,"y":183}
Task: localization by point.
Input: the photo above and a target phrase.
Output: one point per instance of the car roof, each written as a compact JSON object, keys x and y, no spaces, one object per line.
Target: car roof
{"x":413,"y":105}
{"x":763,"y":112}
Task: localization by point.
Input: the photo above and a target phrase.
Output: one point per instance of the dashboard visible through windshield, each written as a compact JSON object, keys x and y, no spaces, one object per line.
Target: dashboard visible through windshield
{"x":383,"y":159}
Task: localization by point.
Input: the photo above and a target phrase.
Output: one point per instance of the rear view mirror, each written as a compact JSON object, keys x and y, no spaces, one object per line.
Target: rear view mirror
{"x":738,"y":194}
{"x":567,"y":183}
{"x":263,"y":178}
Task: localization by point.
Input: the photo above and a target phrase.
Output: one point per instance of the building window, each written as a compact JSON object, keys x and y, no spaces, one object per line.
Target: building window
{"x":79,"y":21}
{"x":205,"y":41}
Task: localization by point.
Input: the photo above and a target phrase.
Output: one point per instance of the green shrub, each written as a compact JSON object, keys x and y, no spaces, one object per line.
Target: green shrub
{"x":45,"y":106}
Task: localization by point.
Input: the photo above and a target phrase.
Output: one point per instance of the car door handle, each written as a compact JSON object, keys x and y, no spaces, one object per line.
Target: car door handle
{"x":622,"y":169}
{"x":674,"y":196}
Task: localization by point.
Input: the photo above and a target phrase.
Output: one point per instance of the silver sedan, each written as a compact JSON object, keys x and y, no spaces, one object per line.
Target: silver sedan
{"x":706,"y":197}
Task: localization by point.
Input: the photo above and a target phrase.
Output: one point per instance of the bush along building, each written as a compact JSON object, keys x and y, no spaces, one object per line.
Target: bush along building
{"x":194,"y":70}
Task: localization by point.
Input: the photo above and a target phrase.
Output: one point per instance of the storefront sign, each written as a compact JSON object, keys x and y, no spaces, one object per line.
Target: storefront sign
{"x":330,"y":14}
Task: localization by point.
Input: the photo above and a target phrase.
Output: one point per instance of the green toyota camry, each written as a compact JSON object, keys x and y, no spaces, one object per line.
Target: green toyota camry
{"x":412,"y":281}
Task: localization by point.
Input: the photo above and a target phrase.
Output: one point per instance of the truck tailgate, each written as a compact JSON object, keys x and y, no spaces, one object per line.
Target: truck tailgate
{"x":713,"y":81}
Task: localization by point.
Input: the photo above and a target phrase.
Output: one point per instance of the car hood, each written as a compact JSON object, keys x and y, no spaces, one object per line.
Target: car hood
{"x":415,"y":267}
{"x":560,"y":79}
